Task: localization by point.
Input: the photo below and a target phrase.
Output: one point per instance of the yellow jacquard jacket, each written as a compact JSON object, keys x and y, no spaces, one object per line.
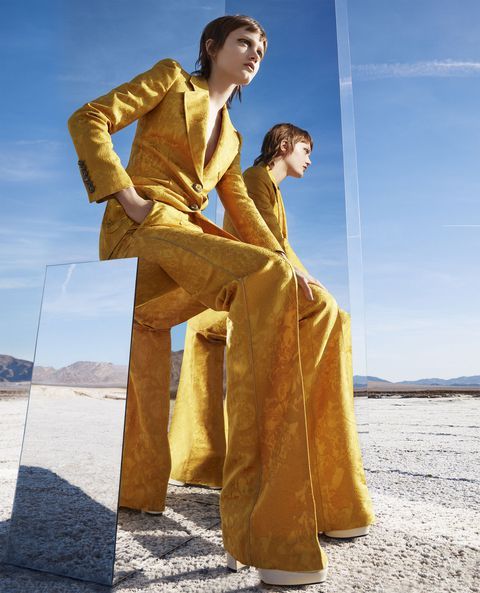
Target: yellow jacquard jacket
{"x":264,"y":191}
{"x":167,"y":156}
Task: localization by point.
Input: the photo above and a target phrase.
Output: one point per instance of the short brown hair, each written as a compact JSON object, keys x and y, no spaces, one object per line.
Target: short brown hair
{"x":274,"y":137}
{"x":218,"y":30}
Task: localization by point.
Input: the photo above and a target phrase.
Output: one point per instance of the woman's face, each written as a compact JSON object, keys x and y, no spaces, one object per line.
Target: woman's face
{"x":298,"y":160}
{"x":239,"y":58}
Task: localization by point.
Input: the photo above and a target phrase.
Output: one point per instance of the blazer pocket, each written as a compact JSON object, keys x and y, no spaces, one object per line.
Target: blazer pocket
{"x":147,"y":218}
{"x":114,"y":217}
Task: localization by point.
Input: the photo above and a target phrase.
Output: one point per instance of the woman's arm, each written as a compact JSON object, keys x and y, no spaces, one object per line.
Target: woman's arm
{"x":92,"y":125}
{"x":260,"y":191}
{"x":242,"y":211}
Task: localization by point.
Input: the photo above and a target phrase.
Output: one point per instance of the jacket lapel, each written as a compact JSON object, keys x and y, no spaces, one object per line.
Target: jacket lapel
{"x":196,"y":116}
{"x":227,"y":146}
{"x":282,"y":217}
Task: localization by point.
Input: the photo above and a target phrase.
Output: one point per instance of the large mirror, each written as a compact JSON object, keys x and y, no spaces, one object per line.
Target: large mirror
{"x":306,"y":80}
{"x":64,"y":515}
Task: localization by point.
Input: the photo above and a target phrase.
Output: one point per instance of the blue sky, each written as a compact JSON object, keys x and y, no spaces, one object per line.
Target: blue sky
{"x":87,"y":313}
{"x":415,"y":78}
{"x":416,"y":83}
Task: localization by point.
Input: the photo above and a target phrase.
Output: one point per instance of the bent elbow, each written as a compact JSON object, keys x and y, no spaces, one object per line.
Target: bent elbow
{"x":73,"y":120}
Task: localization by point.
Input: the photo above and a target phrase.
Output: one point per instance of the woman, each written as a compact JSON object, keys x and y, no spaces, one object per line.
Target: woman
{"x":184,"y":146}
{"x":197,"y":435}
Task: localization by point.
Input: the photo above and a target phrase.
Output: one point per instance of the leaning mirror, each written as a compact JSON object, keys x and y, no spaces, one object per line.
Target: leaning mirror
{"x":64,"y":515}
{"x":306,"y":80}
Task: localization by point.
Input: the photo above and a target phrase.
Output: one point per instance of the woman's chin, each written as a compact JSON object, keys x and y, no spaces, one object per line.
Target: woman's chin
{"x":244,"y":79}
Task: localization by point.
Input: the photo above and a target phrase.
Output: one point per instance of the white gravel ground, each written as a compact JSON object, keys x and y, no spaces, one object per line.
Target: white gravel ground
{"x":422,"y":462}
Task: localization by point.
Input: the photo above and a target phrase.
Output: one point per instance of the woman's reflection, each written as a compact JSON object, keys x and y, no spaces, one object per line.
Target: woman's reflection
{"x":197,"y":432}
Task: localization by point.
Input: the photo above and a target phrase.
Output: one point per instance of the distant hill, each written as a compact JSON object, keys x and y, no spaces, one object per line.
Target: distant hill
{"x":95,"y":373}
{"x":361,"y":380}
{"x":472,"y":381}
{"x":82,"y":373}
{"x":14,"y":369}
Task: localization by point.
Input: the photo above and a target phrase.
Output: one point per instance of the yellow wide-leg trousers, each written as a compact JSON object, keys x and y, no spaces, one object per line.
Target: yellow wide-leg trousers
{"x":197,"y":432}
{"x":267,"y":503}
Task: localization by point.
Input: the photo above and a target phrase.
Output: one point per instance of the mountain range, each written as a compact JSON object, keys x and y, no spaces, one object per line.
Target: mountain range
{"x":472,"y":381}
{"x":105,"y":373}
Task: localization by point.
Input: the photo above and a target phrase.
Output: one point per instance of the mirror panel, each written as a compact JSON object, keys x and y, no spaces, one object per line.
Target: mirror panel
{"x":305,"y":79}
{"x":65,"y":508}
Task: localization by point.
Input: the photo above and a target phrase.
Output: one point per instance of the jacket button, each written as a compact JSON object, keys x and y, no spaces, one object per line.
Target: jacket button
{"x":197,"y":187}
{"x":193,"y":206}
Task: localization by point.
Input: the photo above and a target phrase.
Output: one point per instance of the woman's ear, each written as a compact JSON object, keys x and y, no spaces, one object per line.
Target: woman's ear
{"x":284,"y":146}
{"x":209,"y":47}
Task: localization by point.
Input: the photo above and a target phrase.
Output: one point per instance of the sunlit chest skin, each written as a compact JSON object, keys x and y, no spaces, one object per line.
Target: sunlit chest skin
{"x":298,"y":160}
{"x":239,"y":59}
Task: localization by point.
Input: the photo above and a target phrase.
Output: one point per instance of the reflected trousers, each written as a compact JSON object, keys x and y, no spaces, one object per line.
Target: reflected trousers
{"x":267,"y":504}
{"x":198,"y":430}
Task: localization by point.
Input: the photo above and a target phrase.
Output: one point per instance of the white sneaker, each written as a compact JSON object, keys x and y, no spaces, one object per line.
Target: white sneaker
{"x":147,"y":512}
{"x":176,"y":482}
{"x":282,"y":577}
{"x":346,"y":533}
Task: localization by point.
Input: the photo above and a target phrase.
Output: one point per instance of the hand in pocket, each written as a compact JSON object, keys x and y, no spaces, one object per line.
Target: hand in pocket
{"x":135,"y":207}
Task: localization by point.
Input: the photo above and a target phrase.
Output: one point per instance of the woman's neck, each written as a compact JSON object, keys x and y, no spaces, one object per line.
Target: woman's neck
{"x":279,"y":170}
{"x":220,"y":89}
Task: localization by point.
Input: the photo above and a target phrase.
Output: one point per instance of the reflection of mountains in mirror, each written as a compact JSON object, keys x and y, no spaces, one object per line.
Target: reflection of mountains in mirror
{"x":14,"y":369}
{"x":82,"y":373}
{"x":108,"y":375}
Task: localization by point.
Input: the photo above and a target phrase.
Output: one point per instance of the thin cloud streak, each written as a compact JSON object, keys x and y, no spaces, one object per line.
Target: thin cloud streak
{"x":432,"y":68}
{"x":71,"y":268}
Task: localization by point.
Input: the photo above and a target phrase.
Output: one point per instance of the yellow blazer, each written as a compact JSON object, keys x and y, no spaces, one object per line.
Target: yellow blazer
{"x":264,"y":191}
{"x":167,"y":157}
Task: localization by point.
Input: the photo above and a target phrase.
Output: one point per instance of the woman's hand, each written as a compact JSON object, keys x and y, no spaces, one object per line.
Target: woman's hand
{"x":136,"y":207}
{"x":304,"y":279}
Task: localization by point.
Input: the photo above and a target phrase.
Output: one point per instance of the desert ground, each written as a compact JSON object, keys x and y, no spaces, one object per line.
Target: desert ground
{"x":421,"y":457}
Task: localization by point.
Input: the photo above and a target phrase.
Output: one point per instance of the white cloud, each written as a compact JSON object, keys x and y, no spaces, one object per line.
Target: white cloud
{"x":432,"y":68}
{"x":71,"y":268}
{"x":96,"y":289}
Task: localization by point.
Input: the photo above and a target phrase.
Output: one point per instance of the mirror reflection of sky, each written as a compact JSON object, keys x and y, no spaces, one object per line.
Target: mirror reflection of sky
{"x":87,"y":313}
{"x":415,"y":80}
{"x":301,"y":87}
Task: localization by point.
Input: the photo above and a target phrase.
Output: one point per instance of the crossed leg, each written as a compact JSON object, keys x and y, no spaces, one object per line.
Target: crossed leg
{"x":267,"y":504}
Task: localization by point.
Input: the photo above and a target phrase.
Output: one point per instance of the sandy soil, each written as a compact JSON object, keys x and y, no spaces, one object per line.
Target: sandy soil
{"x":422,"y":463}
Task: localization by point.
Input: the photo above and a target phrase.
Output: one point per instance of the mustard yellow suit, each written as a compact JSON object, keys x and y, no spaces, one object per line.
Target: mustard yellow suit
{"x":188,"y":264}
{"x":197,"y":434}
